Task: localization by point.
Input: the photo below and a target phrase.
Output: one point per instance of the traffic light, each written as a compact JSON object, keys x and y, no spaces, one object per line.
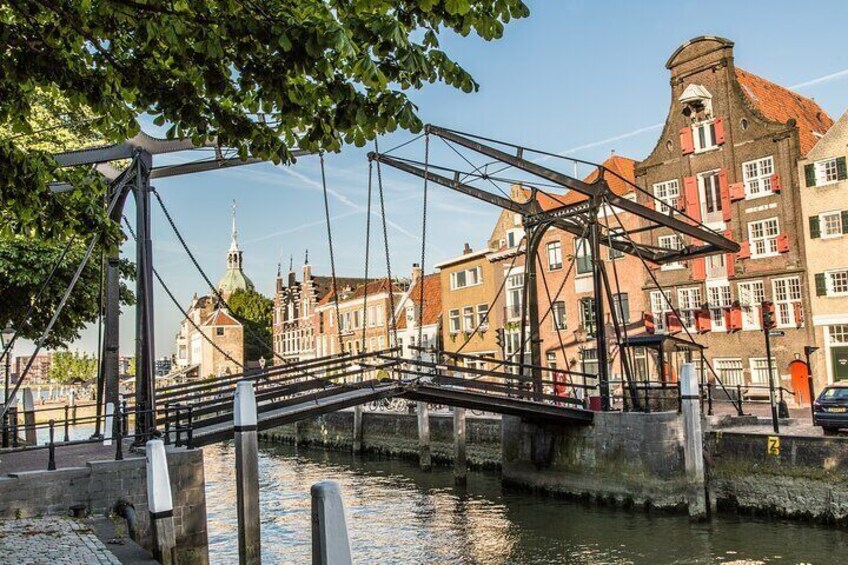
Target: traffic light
{"x":499,"y":336}
{"x":769,"y":321}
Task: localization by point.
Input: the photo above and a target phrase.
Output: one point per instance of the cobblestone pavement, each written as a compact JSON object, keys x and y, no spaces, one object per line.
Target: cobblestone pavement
{"x":51,"y":541}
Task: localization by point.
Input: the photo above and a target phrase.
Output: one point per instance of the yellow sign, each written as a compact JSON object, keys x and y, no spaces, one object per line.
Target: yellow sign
{"x":773,"y":446}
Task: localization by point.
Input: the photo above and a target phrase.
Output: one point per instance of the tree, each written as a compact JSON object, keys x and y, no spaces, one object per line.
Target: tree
{"x":76,"y":367}
{"x":254,"y":311}
{"x":261,"y":77}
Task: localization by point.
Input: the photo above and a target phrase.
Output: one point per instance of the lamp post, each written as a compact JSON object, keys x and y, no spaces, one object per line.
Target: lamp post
{"x":7,"y":333}
{"x":809,"y":350}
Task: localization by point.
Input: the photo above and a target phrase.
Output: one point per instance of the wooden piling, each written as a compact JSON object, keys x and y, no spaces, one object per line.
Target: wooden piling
{"x":460,"y":470}
{"x":357,"y":429}
{"x":424,"y":455}
{"x":693,"y":444}
{"x":330,"y":540}
{"x":247,"y":473}
{"x":160,"y":504}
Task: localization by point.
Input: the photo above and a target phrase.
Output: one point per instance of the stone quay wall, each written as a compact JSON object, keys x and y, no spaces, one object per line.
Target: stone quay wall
{"x":629,"y":459}
{"x":798,"y":477}
{"x":396,"y":435}
{"x":100,"y":485}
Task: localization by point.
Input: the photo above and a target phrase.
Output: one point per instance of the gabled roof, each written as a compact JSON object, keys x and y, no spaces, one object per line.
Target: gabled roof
{"x":221,"y":317}
{"x":622,"y":167}
{"x":432,"y":301}
{"x":780,"y":104}
{"x":374,"y":288}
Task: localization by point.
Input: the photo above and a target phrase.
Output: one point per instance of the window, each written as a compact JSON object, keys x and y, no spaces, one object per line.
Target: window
{"x":715,"y":267}
{"x":371,"y":319}
{"x":786,"y":293}
{"x":837,"y":282}
{"x":219,"y":331}
{"x":763,"y":237}
{"x":468,"y":318}
{"x":640,"y":363}
{"x":621,"y":306}
{"x":583,"y":256}
{"x":453,"y":317}
{"x":468,"y":277}
{"x":587,"y":315}
{"x":513,"y":237}
{"x":589,"y":361}
{"x":729,"y":371}
{"x":704,"y":134}
{"x":689,"y":302}
{"x":675,"y":243}
{"x":554,"y":256}
{"x":551,"y":360}
{"x":830,"y":224}
{"x":718,"y":296}
{"x":838,"y":334}
{"x":826,"y":171}
{"x":760,"y":370}
{"x":757,"y":177}
{"x":710,"y":192}
{"x":614,"y":253}
{"x":558,"y":315}
{"x":380,"y":315}
{"x":483,"y":316}
{"x":751,"y":296}
{"x":667,"y":193}
{"x":514,"y":296}
{"x":659,"y":306}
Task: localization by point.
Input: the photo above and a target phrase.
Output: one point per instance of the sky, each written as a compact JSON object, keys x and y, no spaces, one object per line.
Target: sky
{"x":581,"y":78}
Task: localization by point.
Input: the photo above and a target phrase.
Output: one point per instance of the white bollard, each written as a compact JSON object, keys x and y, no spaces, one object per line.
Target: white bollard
{"x":29,"y":417}
{"x":330,"y":541}
{"x":247,"y":473}
{"x":693,"y":442}
{"x":159,"y":502}
{"x":107,"y":426}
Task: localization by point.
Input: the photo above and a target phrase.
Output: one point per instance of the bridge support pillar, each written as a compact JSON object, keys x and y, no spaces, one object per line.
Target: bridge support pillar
{"x":424,"y":456}
{"x":159,"y":503}
{"x":357,"y":429}
{"x":460,"y":471}
{"x":693,"y":444}
{"x":247,"y":473}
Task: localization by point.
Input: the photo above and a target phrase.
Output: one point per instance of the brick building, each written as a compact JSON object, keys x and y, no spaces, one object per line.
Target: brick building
{"x":727,"y":156}
{"x":39,"y":371}
{"x":412,"y":317}
{"x":823,"y":177}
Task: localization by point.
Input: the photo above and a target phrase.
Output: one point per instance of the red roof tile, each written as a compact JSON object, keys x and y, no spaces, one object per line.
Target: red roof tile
{"x":221,"y":318}
{"x":374,"y":287}
{"x":432,"y":300}
{"x":624,"y":173}
{"x":780,"y":104}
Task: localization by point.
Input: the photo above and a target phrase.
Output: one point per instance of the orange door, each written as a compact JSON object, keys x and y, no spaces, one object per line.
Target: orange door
{"x":798,"y":371}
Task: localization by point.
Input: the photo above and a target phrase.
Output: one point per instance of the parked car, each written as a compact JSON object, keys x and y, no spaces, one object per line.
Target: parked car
{"x":830,"y":410}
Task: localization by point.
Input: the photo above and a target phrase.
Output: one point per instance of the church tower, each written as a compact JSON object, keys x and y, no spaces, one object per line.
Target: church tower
{"x":234,"y":278}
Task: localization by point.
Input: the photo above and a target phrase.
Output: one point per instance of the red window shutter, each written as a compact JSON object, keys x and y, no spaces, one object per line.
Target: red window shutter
{"x":775,"y":182}
{"x":783,"y":243}
{"x":734,"y":318}
{"x":681,"y":202}
{"x":725,"y":194}
{"x":799,"y":314}
{"x":699,"y":269}
{"x":674,"y":324}
{"x":718,"y":124}
{"x":744,"y":252}
{"x":693,"y":203}
{"x":703,"y":321}
{"x":737,"y":191}
{"x":650,"y":327}
{"x":730,"y":264}
{"x":687,"y":140}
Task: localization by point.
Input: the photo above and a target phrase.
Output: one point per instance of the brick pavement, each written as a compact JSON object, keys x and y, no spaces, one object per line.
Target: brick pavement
{"x":52,"y":540}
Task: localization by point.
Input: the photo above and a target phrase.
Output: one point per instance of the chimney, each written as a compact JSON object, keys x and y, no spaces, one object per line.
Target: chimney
{"x":467,"y":249}
{"x":416,"y":274}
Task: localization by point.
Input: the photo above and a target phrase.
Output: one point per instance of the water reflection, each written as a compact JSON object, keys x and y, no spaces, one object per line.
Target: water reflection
{"x":399,"y":515}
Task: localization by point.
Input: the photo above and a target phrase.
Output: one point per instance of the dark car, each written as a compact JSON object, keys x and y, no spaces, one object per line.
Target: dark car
{"x":830,"y":410}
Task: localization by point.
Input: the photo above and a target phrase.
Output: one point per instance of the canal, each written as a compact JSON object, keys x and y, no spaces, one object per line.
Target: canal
{"x":398,"y":514}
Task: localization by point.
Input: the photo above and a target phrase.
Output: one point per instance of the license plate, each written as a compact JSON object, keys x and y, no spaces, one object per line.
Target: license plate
{"x":838,"y":409}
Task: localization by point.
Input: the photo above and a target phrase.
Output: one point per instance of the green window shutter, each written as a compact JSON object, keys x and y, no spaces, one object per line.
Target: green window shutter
{"x":810,"y":173}
{"x":815,"y":227}
{"x":844,"y":221}
{"x":821,"y":285}
{"x":841,"y":169}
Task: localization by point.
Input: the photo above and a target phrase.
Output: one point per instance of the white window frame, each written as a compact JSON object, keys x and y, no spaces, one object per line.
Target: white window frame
{"x":824,"y":169}
{"x":469,"y":319}
{"x":582,"y":251}
{"x":689,"y":301}
{"x":730,"y":370}
{"x":716,"y":215}
{"x":823,"y":218}
{"x":659,"y":307}
{"x":667,"y":192}
{"x":832,"y":282}
{"x":454,"y":321}
{"x":709,"y":143}
{"x":837,"y":334}
{"x":751,"y":295}
{"x":756,"y":176}
{"x":514,"y":237}
{"x":483,"y":316}
{"x":770,"y":231}
{"x":559,"y":316}
{"x":719,"y":301}
{"x":759,"y":370}
{"x":554,"y":249}
{"x":784,"y":300}
{"x":663,"y":241}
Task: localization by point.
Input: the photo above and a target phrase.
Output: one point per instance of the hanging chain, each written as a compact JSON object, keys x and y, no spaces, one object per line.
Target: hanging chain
{"x":393,"y":325}
{"x":367,"y":256}
{"x":332,"y":254}
{"x":423,"y":247}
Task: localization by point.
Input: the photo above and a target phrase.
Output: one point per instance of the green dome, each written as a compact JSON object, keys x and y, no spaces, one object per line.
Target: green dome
{"x":233,"y":280}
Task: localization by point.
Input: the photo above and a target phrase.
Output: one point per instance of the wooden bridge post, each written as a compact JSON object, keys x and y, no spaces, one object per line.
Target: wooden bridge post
{"x":460,"y":471}
{"x":330,"y":541}
{"x":247,"y":473}
{"x":424,"y":456}
{"x":693,"y":444}
{"x":357,"y":428}
{"x":159,"y":503}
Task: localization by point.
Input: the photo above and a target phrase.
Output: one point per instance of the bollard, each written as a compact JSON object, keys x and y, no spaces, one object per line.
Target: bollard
{"x":119,"y":434}
{"x":159,"y":503}
{"x":167,"y":424}
{"x":29,"y":417}
{"x":51,"y":450}
{"x":424,"y":458}
{"x":739,"y":400}
{"x":330,"y":541}
{"x":107,"y":428}
{"x":67,"y":431}
{"x":693,"y":443}
{"x":460,"y":469}
{"x":247,"y":473}
{"x":357,"y":428}
{"x":177,"y":413}
{"x":710,"y":399}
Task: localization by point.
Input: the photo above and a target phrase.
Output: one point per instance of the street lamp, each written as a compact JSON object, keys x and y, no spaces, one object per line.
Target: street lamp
{"x":7,"y":333}
{"x":808,"y":351}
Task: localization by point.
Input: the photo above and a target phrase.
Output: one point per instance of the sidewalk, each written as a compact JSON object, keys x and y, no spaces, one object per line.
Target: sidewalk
{"x":52,"y":541}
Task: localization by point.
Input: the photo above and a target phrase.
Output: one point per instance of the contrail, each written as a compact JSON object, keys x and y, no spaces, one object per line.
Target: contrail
{"x":821,"y":80}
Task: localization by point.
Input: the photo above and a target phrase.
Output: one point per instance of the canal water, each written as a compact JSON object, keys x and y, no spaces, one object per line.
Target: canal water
{"x":398,"y":514}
